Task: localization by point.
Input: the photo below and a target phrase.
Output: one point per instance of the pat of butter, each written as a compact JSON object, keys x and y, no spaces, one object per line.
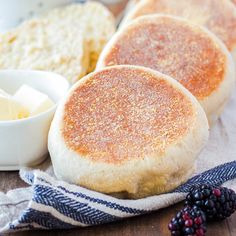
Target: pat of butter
{"x":33,"y":100}
{"x":10,"y":109}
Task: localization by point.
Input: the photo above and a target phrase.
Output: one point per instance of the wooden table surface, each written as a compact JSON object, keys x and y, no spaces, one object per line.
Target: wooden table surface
{"x":147,"y":225}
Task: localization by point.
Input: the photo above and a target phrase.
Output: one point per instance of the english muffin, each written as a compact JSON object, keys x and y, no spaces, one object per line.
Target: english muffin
{"x":187,"y":52}
{"x":66,"y":40}
{"x":127,"y":130}
{"x":94,"y":19}
{"x":40,"y":45}
{"x":218,"y":16}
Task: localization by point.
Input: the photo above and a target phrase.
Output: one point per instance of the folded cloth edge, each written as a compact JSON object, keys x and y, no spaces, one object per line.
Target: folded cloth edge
{"x":56,"y":204}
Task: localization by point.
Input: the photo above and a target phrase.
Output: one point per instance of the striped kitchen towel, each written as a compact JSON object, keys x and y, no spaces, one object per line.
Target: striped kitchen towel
{"x":57,"y":205}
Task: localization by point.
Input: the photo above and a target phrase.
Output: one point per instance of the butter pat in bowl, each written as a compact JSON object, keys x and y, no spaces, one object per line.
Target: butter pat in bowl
{"x":10,"y":109}
{"x":34,"y":101}
{"x":32,"y":97}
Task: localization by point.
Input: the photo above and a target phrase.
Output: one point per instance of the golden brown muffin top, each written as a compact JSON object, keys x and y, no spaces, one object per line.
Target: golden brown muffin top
{"x":173,"y":47}
{"x":123,"y":113}
{"x":219,"y":16}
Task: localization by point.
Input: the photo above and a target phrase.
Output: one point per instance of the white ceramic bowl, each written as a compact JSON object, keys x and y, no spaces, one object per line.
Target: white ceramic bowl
{"x":24,"y":142}
{"x":13,"y":12}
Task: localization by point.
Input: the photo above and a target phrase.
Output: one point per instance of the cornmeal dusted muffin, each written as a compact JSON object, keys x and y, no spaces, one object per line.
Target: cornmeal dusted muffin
{"x":176,"y":47}
{"x":219,"y":16}
{"x":127,"y":130}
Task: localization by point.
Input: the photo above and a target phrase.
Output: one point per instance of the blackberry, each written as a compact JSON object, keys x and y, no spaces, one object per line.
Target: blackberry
{"x":189,"y":221}
{"x":215,"y":202}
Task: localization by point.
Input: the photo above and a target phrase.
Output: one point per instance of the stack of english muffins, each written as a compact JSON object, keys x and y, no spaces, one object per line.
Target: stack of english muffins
{"x":135,"y":126}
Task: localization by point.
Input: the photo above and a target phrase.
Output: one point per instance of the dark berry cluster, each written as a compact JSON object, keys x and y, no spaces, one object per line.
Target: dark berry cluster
{"x":189,"y":221}
{"x":217,"y":203}
{"x":203,"y":203}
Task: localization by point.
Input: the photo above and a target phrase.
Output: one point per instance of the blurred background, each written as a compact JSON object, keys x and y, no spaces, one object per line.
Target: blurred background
{"x":13,"y":12}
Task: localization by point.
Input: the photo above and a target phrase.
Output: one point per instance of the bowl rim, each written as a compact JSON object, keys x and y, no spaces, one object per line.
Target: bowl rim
{"x":41,"y":114}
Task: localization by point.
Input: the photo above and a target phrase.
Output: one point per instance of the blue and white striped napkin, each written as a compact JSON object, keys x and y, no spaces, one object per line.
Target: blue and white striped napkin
{"x":52,"y":204}
{"x":57,"y":205}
